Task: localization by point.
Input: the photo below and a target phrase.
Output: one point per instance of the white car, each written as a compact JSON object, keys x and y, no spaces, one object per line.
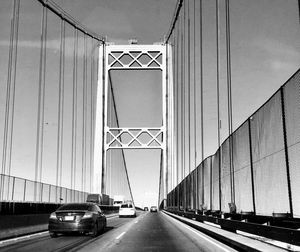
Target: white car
{"x":127,"y":209}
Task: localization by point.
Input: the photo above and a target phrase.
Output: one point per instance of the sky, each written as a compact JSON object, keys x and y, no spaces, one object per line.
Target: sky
{"x":119,"y":20}
{"x":265,"y":48}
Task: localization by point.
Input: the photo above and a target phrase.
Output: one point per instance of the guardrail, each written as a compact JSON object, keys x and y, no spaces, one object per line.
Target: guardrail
{"x":265,"y":226}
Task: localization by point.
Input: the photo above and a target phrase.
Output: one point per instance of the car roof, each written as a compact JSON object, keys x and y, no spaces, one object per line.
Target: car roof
{"x":76,"y":205}
{"x":82,"y":203}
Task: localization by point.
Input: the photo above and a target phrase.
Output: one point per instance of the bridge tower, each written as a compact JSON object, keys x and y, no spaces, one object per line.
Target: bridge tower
{"x":133,"y":57}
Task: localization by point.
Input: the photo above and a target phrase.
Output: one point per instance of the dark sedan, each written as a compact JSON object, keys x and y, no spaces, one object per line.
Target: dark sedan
{"x":86,"y":218}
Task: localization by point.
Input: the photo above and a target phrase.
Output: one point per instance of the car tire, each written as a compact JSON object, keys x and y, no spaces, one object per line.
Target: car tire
{"x":95,"y":230}
{"x":53,"y":234}
{"x":103,"y":227}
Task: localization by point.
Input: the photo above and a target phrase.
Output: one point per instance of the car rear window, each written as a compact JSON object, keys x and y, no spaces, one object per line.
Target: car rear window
{"x":92,"y":197}
{"x":126,"y":206}
{"x":75,"y":207}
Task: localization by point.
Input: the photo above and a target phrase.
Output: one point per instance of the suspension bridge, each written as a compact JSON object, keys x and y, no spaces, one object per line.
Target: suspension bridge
{"x":67,"y":131}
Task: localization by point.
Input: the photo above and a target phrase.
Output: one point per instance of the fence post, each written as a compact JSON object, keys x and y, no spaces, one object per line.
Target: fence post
{"x":232,"y":187}
{"x":220,"y":190}
{"x":13,"y":189}
{"x":42,"y":191}
{"x":211,"y":182}
{"x":24,"y":190}
{"x":286,"y":151}
{"x":251,"y":164}
{"x":2,"y":187}
{"x":49,"y":199}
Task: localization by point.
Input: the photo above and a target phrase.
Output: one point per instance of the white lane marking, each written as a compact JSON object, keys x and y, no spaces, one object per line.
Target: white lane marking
{"x":112,"y":217}
{"x":23,"y":237}
{"x":199,"y":234}
{"x":119,"y":236}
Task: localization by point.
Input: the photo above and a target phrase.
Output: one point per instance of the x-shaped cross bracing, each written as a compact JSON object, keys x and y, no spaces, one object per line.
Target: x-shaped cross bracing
{"x":135,"y":134}
{"x":135,"y":59}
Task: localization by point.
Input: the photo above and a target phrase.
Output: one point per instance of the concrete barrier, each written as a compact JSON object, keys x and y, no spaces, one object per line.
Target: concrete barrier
{"x":16,"y":225}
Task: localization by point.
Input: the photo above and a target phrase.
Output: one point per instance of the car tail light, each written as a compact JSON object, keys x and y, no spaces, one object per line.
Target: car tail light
{"x":53,"y":216}
{"x":87,"y":215}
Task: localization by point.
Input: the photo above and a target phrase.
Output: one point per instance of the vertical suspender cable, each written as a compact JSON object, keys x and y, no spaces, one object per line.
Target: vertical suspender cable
{"x":201,"y":96}
{"x":8,"y":94}
{"x":218,"y":94}
{"x":41,"y":102}
{"x":160,"y":192}
{"x":13,"y":82}
{"x":181,"y":99}
{"x":96,"y":63}
{"x":177,"y":99}
{"x":228,"y":51}
{"x":84,"y":119}
{"x":174,"y":107}
{"x":170,"y":51}
{"x":104,"y":113}
{"x":167,"y":123}
{"x":10,"y":97}
{"x":60,"y":104}
{"x":108,"y":159}
{"x":195,"y":106}
{"x":74,"y":111}
{"x":218,"y":70}
{"x":93,"y":91}
{"x":183,"y":85}
{"x":94,"y":87}
{"x":189,"y":88}
{"x":185,"y":100}
{"x":194,"y":89}
{"x":201,"y":80}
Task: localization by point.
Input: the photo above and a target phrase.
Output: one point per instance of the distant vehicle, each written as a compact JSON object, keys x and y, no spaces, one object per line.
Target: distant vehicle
{"x":127,"y":209}
{"x":95,"y":198}
{"x":86,"y":218}
{"x":153,"y":209}
{"x":118,"y":200}
{"x":100,"y":199}
{"x":146,"y":209}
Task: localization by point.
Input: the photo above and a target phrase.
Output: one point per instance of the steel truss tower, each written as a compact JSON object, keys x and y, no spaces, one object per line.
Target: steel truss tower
{"x":133,"y":57}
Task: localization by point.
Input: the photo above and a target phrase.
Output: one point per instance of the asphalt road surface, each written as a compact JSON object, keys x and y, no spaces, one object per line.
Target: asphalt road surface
{"x":147,"y":232}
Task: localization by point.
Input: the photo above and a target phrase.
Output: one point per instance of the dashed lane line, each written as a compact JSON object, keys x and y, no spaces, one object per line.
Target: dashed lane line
{"x":119,"y":236}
